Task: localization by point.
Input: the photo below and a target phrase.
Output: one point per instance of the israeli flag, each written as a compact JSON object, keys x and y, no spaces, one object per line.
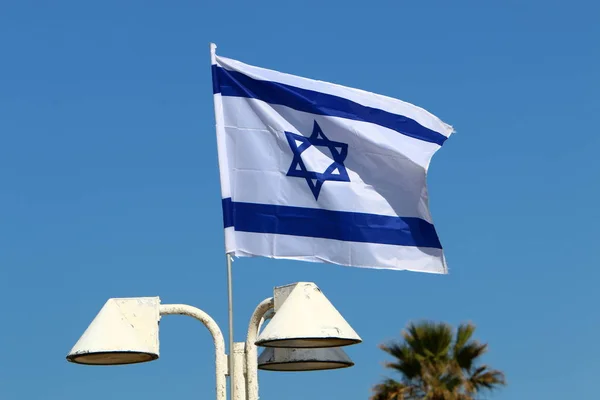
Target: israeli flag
{"x":320,"y":172}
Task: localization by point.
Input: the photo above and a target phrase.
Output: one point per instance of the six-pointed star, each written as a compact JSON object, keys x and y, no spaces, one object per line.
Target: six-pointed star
{"x":335,"y":172}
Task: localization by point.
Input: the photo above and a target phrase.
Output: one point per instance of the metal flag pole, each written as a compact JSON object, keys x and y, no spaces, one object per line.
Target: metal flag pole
{"x":218,"y":122}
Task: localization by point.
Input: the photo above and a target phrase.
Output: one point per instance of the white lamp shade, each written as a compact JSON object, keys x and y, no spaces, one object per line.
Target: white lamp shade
{"x":306,"y":319}
{"x":125,"y":331}
{"x":273,"y":359}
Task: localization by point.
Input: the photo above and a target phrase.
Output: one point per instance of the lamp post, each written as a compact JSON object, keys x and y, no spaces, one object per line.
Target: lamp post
{"x":304,"y":334}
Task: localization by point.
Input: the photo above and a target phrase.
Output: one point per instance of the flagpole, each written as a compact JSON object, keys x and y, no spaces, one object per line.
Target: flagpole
{"x":213,"y":61}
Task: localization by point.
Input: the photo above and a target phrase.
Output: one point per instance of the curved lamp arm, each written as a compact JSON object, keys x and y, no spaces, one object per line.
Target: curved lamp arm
{"x":215,"y":331}
{"x":268,"y":315}
{"x":251,"y":351}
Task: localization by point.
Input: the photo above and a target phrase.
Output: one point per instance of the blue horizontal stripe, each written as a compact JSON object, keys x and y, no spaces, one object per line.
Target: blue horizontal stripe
{"x":236,"y":84}
{"x":327,"y":224}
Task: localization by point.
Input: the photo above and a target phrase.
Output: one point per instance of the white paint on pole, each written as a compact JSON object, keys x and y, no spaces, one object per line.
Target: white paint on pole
{"x":237,"y":378}
{"x":218,"y":340}
{"x":251,"y":350}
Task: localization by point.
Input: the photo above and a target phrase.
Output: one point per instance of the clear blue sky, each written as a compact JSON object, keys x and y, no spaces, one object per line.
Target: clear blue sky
{"x":109,"y":184}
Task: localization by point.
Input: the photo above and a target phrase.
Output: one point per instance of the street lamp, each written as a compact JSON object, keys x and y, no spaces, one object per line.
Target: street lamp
{"x":273,"y":359}
{"x":304,"y":318}
{"x":125,"y":331}
{"x":281,"y":359}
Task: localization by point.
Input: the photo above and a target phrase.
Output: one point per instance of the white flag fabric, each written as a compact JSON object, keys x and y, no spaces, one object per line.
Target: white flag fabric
{"x":320,"y":172}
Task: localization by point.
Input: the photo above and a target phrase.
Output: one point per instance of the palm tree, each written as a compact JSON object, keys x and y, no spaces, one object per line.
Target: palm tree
{"x":435,"y":364}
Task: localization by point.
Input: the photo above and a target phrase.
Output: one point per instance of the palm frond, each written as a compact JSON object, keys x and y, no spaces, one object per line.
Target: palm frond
{"x":485,"y":378}
{"x":463,"y":335}
{"x":467,"y":355}
{"x":406,"y":362}
{"x":429,"y":339}
{"x":389,"y":389}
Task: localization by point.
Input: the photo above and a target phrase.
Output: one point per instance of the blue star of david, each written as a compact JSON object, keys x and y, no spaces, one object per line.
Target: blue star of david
{"x":335,"y":172}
